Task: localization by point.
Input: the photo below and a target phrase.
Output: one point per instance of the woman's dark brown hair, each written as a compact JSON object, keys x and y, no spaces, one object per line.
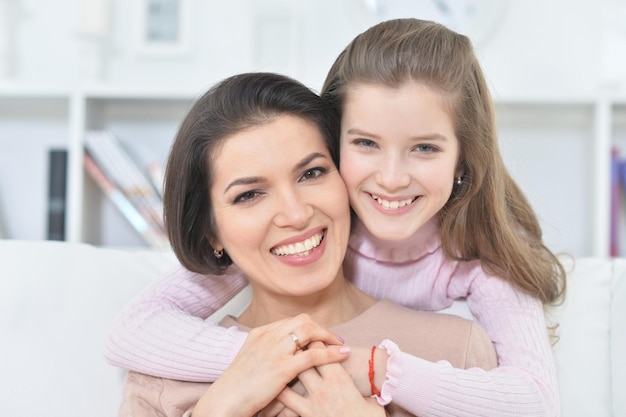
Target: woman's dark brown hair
{"x":232,"y":105}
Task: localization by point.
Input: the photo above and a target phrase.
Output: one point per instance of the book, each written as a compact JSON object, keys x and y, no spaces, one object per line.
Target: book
{"x":3,"y":230}
{"x":152,"y":235}
{"x":615,"y":203}
{"x":57,"y":178}
{"x":156,"y":174}
{"x":121,"y":170}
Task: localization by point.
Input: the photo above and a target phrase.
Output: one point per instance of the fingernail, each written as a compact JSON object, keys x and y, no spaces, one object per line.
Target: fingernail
{"x":344,"y":350}
{"x":340,"y":339}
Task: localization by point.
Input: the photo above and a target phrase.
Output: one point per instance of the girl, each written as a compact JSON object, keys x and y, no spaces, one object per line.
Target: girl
{"x":438,"y":218}
{"x":272,"y":201}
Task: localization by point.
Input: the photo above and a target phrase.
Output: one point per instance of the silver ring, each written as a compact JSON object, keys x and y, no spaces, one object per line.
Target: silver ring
{"x":295,"y":340}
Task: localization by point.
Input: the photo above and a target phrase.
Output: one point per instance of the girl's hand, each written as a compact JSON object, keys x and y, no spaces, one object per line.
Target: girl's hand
{"x":357,"y":365}
{"x":266,"y":363}
{"x":330,"y":391}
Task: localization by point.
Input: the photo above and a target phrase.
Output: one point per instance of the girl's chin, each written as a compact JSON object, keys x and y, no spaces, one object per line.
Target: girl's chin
{"x":390,"y":234}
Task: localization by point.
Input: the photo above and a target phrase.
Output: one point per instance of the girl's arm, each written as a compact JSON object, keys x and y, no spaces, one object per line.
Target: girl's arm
{"x":524,"y":383}
{"x":162,"y":331}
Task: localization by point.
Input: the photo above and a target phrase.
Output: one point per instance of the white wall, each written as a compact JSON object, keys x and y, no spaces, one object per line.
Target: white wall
{"x":559,"y":50}
{"x":539,"y":47}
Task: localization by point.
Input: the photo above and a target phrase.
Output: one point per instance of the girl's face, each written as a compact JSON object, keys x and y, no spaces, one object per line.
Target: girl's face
{"x":280,"y":206}
{"x":399,"y":156}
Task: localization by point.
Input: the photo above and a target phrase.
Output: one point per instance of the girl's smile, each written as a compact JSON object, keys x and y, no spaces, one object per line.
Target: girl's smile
{"x":399,"y":156}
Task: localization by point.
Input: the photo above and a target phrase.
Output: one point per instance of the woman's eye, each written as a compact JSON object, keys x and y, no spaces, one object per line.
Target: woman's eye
{"x":313,"y":173}
{"x":247,"y":196}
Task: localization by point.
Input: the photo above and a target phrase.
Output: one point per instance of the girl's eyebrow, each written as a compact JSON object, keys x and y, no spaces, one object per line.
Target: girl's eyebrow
{"x":255,"y":180}
{"x":428,"y":136}
{"x":356,"y":131}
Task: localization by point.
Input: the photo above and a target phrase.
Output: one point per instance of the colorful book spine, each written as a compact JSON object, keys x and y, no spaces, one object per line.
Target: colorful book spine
{"x":118,"y":165}
{"x":128,"y":188}
{"x":615,"y":185}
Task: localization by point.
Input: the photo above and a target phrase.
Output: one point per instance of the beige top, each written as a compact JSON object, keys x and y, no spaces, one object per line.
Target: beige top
{"x":430,"y":336}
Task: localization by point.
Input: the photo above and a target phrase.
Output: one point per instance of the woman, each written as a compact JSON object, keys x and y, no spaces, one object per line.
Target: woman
{"x":252,"y":180}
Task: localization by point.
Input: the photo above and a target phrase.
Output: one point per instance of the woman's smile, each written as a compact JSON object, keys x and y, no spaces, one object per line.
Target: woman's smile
{"x":302,"y":248}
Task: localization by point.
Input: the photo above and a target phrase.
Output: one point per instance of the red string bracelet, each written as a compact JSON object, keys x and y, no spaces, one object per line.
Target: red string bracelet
{"x":375,"y":390}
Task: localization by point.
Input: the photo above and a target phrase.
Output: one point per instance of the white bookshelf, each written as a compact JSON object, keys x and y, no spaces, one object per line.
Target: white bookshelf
{"x":32,"y":120}
{"x":557,"y":148}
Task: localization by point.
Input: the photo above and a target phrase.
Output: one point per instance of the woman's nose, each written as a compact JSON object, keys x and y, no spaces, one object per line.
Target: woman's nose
{"x":293,"y":210}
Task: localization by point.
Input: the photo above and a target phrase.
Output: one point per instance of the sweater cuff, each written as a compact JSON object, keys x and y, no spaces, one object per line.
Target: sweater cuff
{"x":411,"y":382}
{"x":393,"y":372}
{"x":237,"y":338}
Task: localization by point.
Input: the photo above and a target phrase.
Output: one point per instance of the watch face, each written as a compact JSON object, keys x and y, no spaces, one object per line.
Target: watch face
{"x":474,"y":18}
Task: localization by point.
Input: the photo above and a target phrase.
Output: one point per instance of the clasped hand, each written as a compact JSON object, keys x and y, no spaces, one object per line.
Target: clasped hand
{"x":258,"y":378}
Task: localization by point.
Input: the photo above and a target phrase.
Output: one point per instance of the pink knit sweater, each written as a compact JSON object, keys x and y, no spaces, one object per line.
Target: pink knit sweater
{"x":162,"y":331}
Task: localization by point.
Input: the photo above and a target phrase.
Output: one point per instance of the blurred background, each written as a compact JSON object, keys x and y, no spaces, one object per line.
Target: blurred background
{"x":68,"y":68}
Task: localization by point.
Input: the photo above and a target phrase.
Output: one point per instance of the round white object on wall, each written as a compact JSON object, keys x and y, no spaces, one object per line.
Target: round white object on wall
{"x":478,"y":19}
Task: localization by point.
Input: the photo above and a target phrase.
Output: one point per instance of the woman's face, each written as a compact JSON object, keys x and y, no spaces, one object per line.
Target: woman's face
{"x":399,"y":156}
{"x":280,"y":206}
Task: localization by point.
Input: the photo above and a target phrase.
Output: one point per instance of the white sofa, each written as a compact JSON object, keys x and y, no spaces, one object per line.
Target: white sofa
{"x":57,"y":300}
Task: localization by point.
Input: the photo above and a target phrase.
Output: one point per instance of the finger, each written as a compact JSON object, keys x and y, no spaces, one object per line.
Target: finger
{"x":316,"y":345}
{"x":310,"y":378}
{"x":293,"y":401}
{"x":287,"y":412}
{"x":317,"y":357}
{"x":308,"y":331}
{"x":273,"y":409}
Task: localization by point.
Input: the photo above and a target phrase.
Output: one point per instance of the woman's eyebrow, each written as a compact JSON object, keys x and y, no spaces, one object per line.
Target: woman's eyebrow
{"x":307,"y":160}
{"x":244,"y":181}
{"x":255,"y":180}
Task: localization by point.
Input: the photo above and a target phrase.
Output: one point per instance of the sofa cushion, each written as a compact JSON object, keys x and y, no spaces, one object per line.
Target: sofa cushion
{"x":56,"y":303}
{"x":618,"y":337}
{"x":583,"y":350}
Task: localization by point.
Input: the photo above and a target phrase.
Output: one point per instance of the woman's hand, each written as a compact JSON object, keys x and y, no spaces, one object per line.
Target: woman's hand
{"x":330,"y":391}
{"x":266,"y":363}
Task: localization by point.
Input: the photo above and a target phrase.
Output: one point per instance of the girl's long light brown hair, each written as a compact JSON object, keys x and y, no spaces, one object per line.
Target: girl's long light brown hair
{"x":487,"y":217}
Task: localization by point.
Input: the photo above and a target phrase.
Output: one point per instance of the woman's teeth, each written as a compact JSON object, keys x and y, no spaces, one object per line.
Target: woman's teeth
{"x":396,"y":204}
{"x":300,"y":248}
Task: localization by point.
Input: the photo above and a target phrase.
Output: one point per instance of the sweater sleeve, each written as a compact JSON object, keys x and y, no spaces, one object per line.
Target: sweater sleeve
{"x":163,"y":332}
{"x":523,"y":384}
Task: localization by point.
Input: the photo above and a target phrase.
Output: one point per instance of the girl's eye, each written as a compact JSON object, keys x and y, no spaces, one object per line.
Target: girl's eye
{"x":313,"y":173}
{"x":245,"y":197}
{"x":424,"y":147}
{"x":366,"y":143}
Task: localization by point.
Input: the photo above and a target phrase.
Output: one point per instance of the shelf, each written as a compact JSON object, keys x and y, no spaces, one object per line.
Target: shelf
{"x":30,"y":125}
{"x":555,"y":147}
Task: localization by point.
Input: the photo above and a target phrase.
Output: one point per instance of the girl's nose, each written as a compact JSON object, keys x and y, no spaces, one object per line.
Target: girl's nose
{"x":393,"y":174}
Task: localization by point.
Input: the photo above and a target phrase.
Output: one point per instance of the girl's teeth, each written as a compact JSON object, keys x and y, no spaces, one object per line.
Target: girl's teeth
{"x":393,"y":205}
